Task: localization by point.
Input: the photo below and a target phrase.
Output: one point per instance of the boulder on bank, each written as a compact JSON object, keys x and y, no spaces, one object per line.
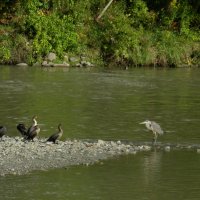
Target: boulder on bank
{"x":51,"y":64}
{"x":22,"y":64}
{"x":51,"y":56}
{"x":64,"y":64}
{"x":47,"y":64}
{"x":74,"y":61}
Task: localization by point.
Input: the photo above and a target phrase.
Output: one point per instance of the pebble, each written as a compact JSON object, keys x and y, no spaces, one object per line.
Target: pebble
{"x":167,"y":148}
{"x":113,"y":143}
{"x":119,"y":142}
{"x":100,"y":143}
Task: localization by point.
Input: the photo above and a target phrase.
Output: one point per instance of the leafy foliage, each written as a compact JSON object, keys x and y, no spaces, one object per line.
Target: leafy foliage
{"x":131,"y":32}
{"x":49,"y":32}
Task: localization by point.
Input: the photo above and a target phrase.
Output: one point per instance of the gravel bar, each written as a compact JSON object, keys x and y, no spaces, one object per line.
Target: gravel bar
{"x":19,"y":157}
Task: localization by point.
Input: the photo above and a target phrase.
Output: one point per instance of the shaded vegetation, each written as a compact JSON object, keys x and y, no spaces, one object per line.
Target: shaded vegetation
{"x":131,"y":32}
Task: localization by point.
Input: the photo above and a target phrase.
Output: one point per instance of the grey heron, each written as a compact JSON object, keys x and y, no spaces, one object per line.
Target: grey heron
{"x":56,"y":136}
{"x":154,"y":127}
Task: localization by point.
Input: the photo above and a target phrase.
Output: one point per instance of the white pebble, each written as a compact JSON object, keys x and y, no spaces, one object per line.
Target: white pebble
{"x":167,"y":148}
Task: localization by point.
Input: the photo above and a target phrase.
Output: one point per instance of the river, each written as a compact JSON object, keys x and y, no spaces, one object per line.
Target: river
{"x":107,"y":105}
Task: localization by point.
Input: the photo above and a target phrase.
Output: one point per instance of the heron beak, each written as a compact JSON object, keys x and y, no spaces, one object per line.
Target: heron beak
{"x":142,"y":122}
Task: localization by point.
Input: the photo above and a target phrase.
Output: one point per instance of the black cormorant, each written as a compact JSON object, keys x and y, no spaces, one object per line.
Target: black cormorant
{"x":22,"y":129}
{"x":56,"y":136}
{"x":34,"y":130}
{"x":3,"y":131}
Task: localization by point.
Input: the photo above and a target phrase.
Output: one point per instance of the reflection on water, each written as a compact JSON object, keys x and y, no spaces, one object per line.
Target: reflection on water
{"x":151,"y":166}
{"x":107,"y":105}
{"x":149,"y":175}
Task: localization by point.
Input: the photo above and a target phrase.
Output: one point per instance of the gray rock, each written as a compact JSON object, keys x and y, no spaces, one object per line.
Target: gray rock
{"x":86,"y":63}
{"x":83,"y":63}
{"x":22,"y":64}
{"x":79,"y":65}
{"x":73,"y":59}
{"x":113,"y":144}
{"x":44,"y":63}
{"x":51,"y":56}
{"x":64,"y":64}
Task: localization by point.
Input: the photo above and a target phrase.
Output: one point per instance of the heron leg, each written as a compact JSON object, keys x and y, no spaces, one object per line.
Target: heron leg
{"x":155,"y":138}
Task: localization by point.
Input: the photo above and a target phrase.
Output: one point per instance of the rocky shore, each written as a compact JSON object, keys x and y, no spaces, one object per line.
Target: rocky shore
{"x":20,"y":157}
{"x":52,"y":60}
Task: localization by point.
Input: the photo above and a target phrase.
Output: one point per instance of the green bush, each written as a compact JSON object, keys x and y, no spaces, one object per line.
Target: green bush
{"x":131,"y":32}
{"x":51,"y":33}
{"x":5,"y":54}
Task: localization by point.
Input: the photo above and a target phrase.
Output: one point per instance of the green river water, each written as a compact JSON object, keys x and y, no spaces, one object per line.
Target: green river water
{"x":107,"y":105}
